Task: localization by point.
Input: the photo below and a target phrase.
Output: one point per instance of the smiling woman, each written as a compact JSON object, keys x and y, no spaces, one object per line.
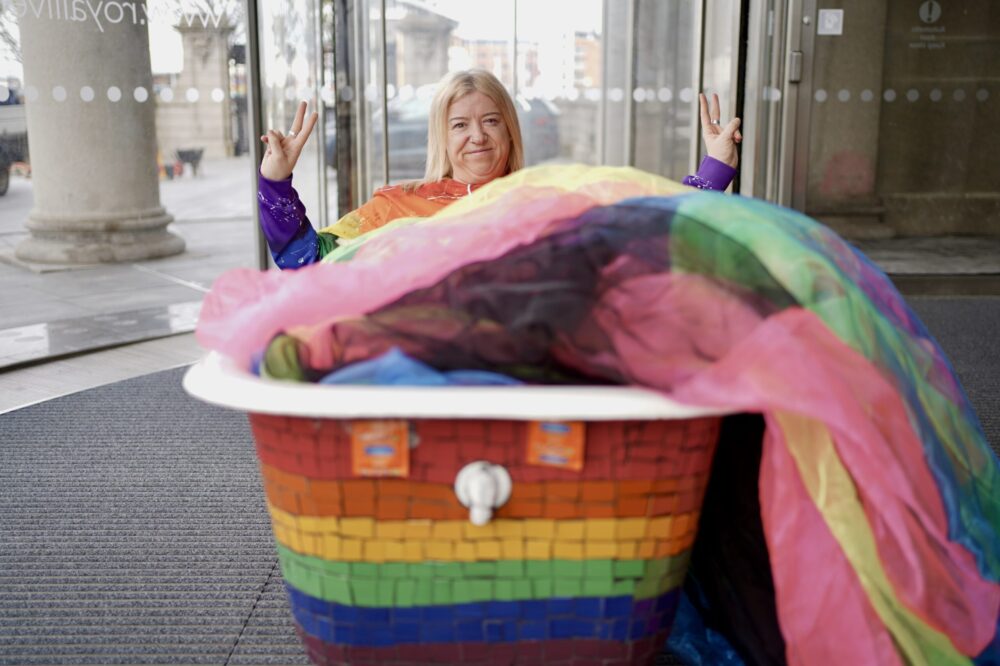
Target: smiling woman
{"x":478,"y":140}
{"x":473,"y":138}
{"x":474,"y":134}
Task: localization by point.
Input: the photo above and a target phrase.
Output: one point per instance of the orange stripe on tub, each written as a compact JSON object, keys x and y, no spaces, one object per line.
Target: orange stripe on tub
{"x":399,"y":499}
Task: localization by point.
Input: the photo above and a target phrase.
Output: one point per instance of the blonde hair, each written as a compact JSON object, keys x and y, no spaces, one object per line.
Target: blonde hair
{"x":454,"y":87}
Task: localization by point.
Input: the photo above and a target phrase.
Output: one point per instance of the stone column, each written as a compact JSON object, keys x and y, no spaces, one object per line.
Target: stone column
{"x":422,"y":39}
{"x":204,"y":122}
{"x":94,"y":170}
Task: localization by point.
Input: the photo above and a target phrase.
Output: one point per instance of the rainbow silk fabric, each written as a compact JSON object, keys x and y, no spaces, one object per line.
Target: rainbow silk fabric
{"x":879,"y":494}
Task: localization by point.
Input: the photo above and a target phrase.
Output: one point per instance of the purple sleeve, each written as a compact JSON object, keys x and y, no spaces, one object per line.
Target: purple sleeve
{"x":282,"y":214}
{"x":290,"y":237}
{"x":712,"y":175}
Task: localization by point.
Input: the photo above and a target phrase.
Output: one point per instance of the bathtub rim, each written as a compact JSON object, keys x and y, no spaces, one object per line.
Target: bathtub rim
{"x":217,"y":380}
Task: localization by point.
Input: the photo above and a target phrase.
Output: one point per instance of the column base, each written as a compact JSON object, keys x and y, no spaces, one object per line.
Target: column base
{"x":65,"y":241}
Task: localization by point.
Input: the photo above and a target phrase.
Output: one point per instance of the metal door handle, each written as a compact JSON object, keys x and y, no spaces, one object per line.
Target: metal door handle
{"x":794,"y":66}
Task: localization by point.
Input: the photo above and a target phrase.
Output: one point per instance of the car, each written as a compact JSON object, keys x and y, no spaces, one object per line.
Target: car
{"x":13,"y":139}
{"x":330,"y":140}
{"x":539,"y":119}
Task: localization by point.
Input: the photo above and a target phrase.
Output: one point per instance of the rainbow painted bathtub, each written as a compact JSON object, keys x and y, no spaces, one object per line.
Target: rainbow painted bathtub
{"x":575,"y":567}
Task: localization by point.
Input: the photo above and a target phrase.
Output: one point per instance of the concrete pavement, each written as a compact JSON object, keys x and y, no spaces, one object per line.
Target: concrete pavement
{"x":52,"y":311}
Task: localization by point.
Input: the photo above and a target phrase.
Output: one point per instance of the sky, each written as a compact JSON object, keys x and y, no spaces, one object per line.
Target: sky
{"x":478,"y":19}
{"x":165,"y":50}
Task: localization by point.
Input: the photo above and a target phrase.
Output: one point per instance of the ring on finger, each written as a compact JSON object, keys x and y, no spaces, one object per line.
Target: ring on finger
{"x":716,"y":121}
{"x":290,"y":135}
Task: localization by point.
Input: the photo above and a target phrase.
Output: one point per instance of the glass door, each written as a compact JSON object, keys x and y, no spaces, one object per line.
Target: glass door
{"x":594,"y":81}
{"x":889,"y":110}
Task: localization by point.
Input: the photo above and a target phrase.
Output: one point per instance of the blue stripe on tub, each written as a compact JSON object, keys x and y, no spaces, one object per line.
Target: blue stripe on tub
{"x":604,"y":618}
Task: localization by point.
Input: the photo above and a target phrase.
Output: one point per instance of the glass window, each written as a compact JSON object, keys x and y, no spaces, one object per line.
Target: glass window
{"x":720,"y":57}
{"x":291,"y":72}
{"x":587,"y":87}
{"x":554,"y":73}
{"x":664,"y":91}
{"x":764,"y":101}
{"x":560,"y":78}
{"x":125,"y":171}
{"x":423,"y":42}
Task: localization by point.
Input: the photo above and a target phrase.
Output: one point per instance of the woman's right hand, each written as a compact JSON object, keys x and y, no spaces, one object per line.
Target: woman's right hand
{"x":283,"y":151}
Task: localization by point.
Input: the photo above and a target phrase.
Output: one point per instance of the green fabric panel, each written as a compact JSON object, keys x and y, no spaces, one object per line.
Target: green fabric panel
{"x":281,"y":360}
{"x":327,"y":243}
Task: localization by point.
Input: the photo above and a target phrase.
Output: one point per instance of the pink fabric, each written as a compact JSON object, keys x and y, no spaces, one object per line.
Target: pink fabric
{"x":671,"y":302}
{"x":798,"y":540}
{"x":246,"y":308}
{"x":793,"y":363}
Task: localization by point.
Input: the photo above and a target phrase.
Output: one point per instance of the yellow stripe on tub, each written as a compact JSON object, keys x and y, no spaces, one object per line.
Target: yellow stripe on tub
{"x":370,"y":540}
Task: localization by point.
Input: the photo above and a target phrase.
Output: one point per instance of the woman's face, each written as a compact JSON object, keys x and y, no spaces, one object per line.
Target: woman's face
{"x":478,"y":139}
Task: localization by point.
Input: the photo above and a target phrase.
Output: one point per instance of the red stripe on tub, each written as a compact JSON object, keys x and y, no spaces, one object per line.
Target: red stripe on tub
{"x":615,"y":450}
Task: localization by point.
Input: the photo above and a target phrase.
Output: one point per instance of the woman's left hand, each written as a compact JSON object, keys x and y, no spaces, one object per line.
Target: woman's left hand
{"x":720,"y":141}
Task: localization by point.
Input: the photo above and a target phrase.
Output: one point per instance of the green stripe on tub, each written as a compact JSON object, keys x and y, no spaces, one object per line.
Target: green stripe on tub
{"x":401,"y":584}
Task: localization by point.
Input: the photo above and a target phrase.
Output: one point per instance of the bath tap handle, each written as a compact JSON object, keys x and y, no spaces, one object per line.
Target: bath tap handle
{"x":482,"y":487}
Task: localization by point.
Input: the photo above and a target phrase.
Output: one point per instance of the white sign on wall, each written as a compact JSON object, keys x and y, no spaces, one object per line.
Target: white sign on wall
{"x":830,"y":22}
{"x":930,"y":32}
{"x":930,"y":11}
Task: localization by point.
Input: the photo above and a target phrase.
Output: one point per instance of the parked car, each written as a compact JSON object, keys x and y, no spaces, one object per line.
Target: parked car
{"x":539,"y":120}
{"x":13,"y":139}
{"x":539,"y":128}
{"x":330,"y":140}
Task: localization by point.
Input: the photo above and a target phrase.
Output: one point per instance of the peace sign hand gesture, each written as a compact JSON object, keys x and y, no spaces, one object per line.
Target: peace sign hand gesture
{"x":720,"y":141}
{"x":283,"y":150}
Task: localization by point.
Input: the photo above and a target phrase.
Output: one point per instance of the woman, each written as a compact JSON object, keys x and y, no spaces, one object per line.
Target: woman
{"x":473,"y":138}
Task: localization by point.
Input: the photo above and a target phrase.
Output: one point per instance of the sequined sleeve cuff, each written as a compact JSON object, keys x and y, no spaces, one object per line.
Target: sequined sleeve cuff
{"x":712,"y":175}
{"x":281,"y":211}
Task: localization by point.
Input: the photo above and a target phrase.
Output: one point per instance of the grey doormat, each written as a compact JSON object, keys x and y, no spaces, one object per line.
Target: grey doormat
{"x":133,"y":528}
